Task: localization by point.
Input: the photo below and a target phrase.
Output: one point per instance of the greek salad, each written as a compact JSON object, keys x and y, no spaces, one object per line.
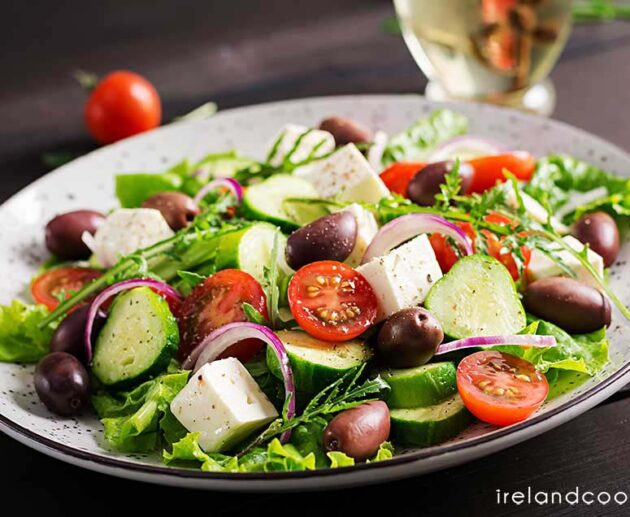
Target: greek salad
{"x":352,"y":295}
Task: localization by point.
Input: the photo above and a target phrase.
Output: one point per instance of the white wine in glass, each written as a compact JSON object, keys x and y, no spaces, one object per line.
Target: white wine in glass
{"x":497,"y":51}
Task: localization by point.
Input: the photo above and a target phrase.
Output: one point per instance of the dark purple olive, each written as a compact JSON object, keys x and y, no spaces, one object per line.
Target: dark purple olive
{"x":600,"y":232}
{"x":573,"y":306}
{"x":359,"y":431}
{"x":62,"y":383}
{"x":331,"y":237}
{"x":177,"y":209}
{"x":409,"y":338}
{"x":426,"y":183}
{"x":63,"y":233}
{"x":346,"y":131}
{"x":68,"y":336}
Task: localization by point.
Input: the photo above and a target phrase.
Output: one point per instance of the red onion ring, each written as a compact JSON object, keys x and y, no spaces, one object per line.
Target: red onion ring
{"x":229,"y":183}
{"x":517,"y":339}
{"x":408,"y":226}
{"x":479,"y":146}
{"x":224,"y":337}
{"x":107,"y":293}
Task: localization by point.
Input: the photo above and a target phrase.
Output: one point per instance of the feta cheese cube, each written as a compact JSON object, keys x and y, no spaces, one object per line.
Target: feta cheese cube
{"x":345,"y":175}
{"x":366,"y":230}
{"x":127,"y":230}
{"x":223,"y":403}
{"x":313,"y":143}
{"x":541,"y":266}
{"x":403,"y":277}
{"x":534,"y":209}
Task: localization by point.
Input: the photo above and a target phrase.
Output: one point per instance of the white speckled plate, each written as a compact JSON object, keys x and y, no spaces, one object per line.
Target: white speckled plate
{"x":88,"y":183}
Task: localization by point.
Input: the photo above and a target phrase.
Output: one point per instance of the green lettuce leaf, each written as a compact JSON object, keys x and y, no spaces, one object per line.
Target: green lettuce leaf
{"x":21,"y":339}
{"x":133,"y":189}
{"x":385,"y":452}
{"x":135,"y":421}
{"x":558,"y":177}
{"x":583,"y":353}
{"x":415,"y":143}
{"x":308,"y":439}
{"x":339,"y":459}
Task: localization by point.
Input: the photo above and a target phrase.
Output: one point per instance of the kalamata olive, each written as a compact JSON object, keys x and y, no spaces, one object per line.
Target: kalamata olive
{"x":63,"y":233}
{"x":359,"y":431}
{"x":573,"y":306}
{"x":426,"y":183}
{"x":346,"y":131}
{"x":409,"y":338}
{"x":62,"y":383}
{"x":331,"y":237}
{"x":68,"y":336}
{"x":600,"y":232}
{"x":177,"y":209}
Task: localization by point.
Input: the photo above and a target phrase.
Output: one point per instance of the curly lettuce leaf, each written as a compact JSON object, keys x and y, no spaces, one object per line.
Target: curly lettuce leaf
{"x":136,"y":421}
{"x":559,"y":177}
{"x":416,"y":142}
{"x":21,"y":339}
{"x":583,"y":353}
{"x":339,"y":459}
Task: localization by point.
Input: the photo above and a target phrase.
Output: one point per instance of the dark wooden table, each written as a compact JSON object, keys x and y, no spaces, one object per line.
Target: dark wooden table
{"x":243,"y":52}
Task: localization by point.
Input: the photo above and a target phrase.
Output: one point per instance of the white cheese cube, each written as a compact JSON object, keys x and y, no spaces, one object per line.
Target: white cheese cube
{"x":315,"y":143}
{"x":366,"y":230}
{"x":533,"y":208}
{"x":127,"y":230}
{"x":403,"y":277}
{"x":223,"y":403}
{"x":541,"y":266}
{"x":345,"y":175}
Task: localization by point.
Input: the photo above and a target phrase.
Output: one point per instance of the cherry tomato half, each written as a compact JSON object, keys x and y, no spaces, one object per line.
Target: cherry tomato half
{"x":332,"y":301}
{"x":218,"y":300}
{"x":497,"y":249}
{"x":444,"y":251}
{"x":397,"y":176}
{"x":499,"y":388}
{"x":60,"y":283}
{"x":122,"y":104}
{"x":489,"y":169}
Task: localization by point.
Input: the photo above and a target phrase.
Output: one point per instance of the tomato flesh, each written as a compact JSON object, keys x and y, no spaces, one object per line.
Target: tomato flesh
{"x":218,"y":300}
{"x":332,"y":301}
{"x":122,"y":104}
{"x":397,"y":176}
{"x":499,"y":388}
{"x":489,"y":170}
{"x":61,"y":283}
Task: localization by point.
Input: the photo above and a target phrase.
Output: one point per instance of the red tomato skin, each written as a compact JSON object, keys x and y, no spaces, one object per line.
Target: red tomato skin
{"x":304,"y":307}
{"x":398,"y":175}
{"x":444,"y":253}
{"x":488,"y":170}
{"x":62,"y":278}
{"x":499,"y":410}
{"x":215,"y":302}
{"x":121,"y":105}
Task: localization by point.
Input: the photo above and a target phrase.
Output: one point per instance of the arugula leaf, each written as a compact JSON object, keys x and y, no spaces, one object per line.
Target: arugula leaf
{"x":449,"y":189}
{"x":133,"y":420}
{"x":253,"y":315}
{"x":416,"y":142}
{"x":273,"y":280}
{"x":190,"y":278}
{"x":23,"y":338}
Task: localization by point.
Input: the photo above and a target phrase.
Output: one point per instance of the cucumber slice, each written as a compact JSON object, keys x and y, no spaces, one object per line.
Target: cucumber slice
{"x":477,"y":297}
{"x":317,"y":364}
{"x":426,"y":426}
{"x":265,"y":201}
{"x":250,"y":249}
{"x":138,"y":340}
{"x":421,"y":386}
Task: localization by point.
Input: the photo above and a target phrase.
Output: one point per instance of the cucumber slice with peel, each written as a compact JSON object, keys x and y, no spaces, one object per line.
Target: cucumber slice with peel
{"x":427,"y":426}
{"x":138,"y":340}
{"x":477,"y":297}
{"x":317,"y":364}
{"x":421,"y":386}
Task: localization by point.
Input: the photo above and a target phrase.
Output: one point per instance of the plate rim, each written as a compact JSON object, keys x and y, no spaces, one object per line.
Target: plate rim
{"x":117,"y":465}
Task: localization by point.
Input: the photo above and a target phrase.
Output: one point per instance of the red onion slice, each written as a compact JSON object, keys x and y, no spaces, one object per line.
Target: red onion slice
{"x":465,"y":147}
{"x":517,"y":339}
{"x":408,"y":226}
{"x":229,"y":183}
{"x":224,"y":337}
{"x":164,"y":289}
